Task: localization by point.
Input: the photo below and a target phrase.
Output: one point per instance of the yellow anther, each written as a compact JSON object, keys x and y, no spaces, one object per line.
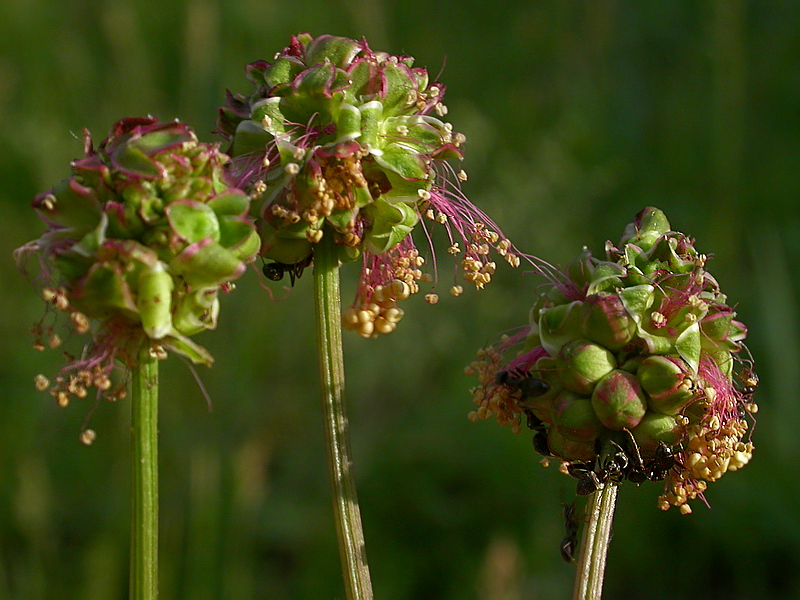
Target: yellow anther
{"x":88,"y":436}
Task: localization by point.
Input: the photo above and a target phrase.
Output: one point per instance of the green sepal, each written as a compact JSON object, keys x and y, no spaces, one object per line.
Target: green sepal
{"x":688,"y":345}
{"x":391,"y":223}
{"x":403,"y":161}
{"x":196,"y":311}
{"x":607,"y":277}
{"x":340,"y":51}
{"x":206,"y":263}
{"x":193,"y":221}
{"x":249,"y":138}
{"x":104,"y":291}
{"x":181,"y":344}
{"x":559,"y":325}
{"x":154,"y":300}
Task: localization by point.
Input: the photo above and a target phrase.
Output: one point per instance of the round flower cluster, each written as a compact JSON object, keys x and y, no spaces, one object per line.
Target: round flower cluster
{"x":141,"y":238}
{"x":338,"y":140}
{"x":632,"y":367}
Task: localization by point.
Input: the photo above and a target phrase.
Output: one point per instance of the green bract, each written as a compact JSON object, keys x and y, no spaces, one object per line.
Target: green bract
{"x":147,"y":231}
{"x":641,"y":355}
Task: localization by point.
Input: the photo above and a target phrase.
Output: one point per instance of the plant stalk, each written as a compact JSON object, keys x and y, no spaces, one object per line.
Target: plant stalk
{"x":144,"y":522}
{"x":347,"y":515}
{"x":594,"y":543}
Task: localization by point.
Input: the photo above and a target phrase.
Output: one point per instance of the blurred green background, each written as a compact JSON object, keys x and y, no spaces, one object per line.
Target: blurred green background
{"x":577,"y":115}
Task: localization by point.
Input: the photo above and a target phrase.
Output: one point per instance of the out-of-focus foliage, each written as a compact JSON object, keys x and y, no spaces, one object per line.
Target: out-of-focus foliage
{"x":577,"y":115}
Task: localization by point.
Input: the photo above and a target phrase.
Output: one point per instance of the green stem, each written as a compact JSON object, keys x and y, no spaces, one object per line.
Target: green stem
{"x":144,"y":523}
{"x":594,"y":543}
{"x":337,"y":433}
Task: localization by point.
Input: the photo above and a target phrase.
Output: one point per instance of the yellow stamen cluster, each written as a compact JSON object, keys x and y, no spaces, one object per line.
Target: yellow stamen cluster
{"x":332,"y":191}
{"x":46,"y":337}
{"x":381,"y":315}
{"x":478,"y":269}
{"x":492,"y":400}
{"x":76,"y":385}
{"x":712,"y":449}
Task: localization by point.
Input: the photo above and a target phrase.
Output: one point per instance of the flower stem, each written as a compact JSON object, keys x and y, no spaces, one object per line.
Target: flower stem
{"x":355,"y":570}
{"x":594,"y":543}
{"x":144,"y":523}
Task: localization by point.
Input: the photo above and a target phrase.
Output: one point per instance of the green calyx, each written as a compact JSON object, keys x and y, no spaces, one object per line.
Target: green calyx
{"x":147,"y":228}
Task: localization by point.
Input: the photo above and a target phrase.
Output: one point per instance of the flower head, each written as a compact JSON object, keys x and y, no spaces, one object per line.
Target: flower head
{"x":140,"y":239}
{"x":632,"y":367}
{"x":339,"y":140}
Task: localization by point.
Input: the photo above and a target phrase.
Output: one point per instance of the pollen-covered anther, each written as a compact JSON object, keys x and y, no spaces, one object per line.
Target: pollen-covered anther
{"x":431,"y":298}
{"x":456,"y":290}
{"x":313,"y":235}
{"x":454,"y":249}
{"x":80,"y":321}
{"x":462,"y":175}
{"x":512,"y":259}
{"x":54,"y":341}
{"x":292,"y":169}
{"x":351,"y":239}
{"x":102,"y":382}
{"x":62,"y":398}
{"x":698,"y":303}
{"x":41,"y":382}
{"x":49,"y":202}
{"x":88,"y":436}
{"x":658,"y":320}
{"x":350,"y":318}
{"x":158,"y":352}
{"x":441,"y":218}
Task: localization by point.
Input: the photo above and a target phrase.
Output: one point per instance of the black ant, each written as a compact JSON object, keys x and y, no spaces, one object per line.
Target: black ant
{"x":570,"y":541}
{"x":655,"y":469}
{"x":588,"y":479}
{"x":662,"y":463}
{"x":529,"y":387}
{"x":276,"y":270}
{"x":637,"y":471}
{"x":534,"y":423}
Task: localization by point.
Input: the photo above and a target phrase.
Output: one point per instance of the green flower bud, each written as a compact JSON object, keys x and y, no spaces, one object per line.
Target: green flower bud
{"x":583,"y":364}
{"x":649,"y":226}
{"x":575,"y":417}
{"x":607,"y":322}
{"x":618,"y":400}
{"x":606,"y":277}
{"x":569,"y":450}
{"x":667,"y":383}
{"x":559,"y":325}
{"x":655,"y":428}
